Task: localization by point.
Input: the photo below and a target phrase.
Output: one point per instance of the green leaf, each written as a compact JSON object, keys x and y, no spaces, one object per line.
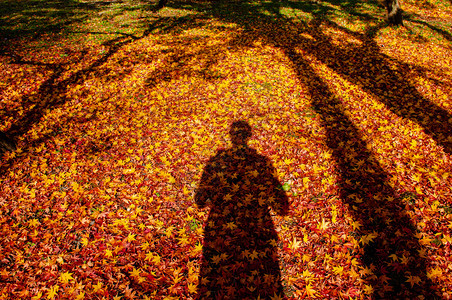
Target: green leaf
{"x":286,"y":187}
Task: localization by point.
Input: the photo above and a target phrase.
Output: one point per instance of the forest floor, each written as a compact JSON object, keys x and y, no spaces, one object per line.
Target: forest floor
{"x":116,"y":110}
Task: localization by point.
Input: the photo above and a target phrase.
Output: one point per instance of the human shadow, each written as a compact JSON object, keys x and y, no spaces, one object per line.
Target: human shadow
{"x":240,"y":258}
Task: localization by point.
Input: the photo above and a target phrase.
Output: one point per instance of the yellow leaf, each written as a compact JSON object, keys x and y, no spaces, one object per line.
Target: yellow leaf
{"x":65,"y":277}
{"x":356,"y":225}
{"x":156,"y":259}
{"x":368,"y":238}
{"x":333,"y":214}
{"x":288,"y":161}
{"x":338,"y":270}
{"x":394,"y":257}
{"x":144,"y":246}
{"x":447,"y":239}
{"x":276,"y":297}
{"x":310,"y":291}
{"x":108,"y":253}
{"x":149,"y":256}
{"x":368,"y":289}
{"x":52,"y":292}
{"x":131,"y":237}
{"x":192,"y":288}
{"x":254,"y":255}
{"x":33,"y":222}
{"x":437,"y":272}
{"x":185,"y":191}
{"x":306,"y":274}
{"x":197,"y":249}
{"x":294,"y":244}
{"x":334,"y":239}
{"x":128,"y":171}
{"x":135,"y":273}
{"x":97,"y":287}
{"x":183,"y":241}
{"x":60,"y":260}
{"x":169,"y":231}
{"x":419,"y":190}
{"x":323,"y":225}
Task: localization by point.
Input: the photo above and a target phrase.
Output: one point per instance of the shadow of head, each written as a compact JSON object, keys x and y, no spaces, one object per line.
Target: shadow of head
{"x":240,"y":132}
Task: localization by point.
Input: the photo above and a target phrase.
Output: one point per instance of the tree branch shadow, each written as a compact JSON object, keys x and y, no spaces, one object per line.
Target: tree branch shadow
{"x":51,"y":93}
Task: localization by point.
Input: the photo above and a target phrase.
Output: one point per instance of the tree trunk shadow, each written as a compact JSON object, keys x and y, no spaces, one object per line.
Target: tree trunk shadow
{"x":385,"y":228}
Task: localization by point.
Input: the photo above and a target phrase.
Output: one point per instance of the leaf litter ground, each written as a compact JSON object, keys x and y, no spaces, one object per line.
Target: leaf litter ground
{"x":118,"y":110}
